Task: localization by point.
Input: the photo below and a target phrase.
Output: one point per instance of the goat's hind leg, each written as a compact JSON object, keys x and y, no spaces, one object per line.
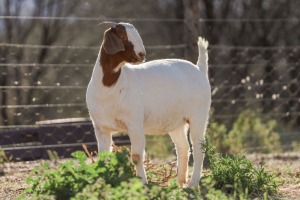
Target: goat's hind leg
{"x":197,"y":137}
{"x":179,"y":137}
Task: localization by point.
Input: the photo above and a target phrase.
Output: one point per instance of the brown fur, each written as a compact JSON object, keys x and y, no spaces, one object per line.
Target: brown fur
{"x":135,"y":158}
{"x":109,"y":62}
{"x":121,"y":124}
{"x":186,"y":120}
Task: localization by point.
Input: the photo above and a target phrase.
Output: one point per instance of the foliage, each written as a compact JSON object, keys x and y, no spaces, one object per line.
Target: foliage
{"x":71,"y":177}
{"x":248,"y":132}
{"x":132,"y":189}
{"x":112,"y":177}
{"x":237,"y":176}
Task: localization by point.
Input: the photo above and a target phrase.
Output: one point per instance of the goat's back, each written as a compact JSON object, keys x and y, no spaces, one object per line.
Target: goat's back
{"x":171,"y":91}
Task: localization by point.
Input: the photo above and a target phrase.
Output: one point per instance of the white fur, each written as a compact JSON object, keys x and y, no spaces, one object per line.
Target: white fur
{"x":155,"y":97}
{"x":134,"y":37}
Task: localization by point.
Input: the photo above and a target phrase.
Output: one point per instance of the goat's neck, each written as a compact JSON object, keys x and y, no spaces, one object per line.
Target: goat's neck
{"x":111,"y":67}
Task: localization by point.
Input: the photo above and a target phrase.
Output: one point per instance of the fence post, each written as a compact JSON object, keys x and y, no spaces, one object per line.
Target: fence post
{"x":191,"y":32}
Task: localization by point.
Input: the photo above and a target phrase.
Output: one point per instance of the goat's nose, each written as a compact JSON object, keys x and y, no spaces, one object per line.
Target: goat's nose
{"x":142,"y":56}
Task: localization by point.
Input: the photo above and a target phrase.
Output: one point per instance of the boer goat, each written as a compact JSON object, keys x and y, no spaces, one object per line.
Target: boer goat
{"x":126,"y":94}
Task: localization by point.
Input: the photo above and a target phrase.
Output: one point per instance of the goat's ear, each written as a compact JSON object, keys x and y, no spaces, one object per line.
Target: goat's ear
{"x":112,"y":42}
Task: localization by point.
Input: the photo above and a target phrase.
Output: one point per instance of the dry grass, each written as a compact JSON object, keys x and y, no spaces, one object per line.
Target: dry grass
{"x":158,"y":172}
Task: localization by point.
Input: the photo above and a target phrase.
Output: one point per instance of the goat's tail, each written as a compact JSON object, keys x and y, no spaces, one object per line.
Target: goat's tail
{"x":203,"y":55}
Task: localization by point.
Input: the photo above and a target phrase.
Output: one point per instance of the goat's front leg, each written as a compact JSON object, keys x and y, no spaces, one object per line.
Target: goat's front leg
{"x":138,"y":142}
{"x":104,"y":140}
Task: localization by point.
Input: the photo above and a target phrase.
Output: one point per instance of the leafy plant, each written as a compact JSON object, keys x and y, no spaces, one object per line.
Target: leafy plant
{"x":237,"y":176}
{"x":112,"y":177}
{"x":72,"y":176}
{"x":131,"y":189}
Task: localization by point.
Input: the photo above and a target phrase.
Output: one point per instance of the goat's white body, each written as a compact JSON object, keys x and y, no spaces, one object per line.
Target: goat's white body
{"x":163,"y":93}
{"x":155,"y":97}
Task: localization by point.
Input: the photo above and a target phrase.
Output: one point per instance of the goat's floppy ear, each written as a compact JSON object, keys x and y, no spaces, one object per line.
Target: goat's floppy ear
{"x":112,"y":42}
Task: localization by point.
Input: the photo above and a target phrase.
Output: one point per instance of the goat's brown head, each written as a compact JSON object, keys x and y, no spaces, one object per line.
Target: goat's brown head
{"x":124,"y":39}
{"x":121,"y":43}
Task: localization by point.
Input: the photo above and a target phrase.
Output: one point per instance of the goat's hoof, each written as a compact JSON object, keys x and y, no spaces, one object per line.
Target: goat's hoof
{"x":182,"y":183}
{"x":145,"y":181}
{"x":192,"y":184}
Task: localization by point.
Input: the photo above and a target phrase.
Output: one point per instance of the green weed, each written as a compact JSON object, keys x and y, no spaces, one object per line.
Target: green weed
{"x":72,"y":177}
{"x":237,"y":176}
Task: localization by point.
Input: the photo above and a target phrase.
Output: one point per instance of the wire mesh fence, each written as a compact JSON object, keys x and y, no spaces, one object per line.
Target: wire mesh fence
{"x":271,"y":83}
{"x":51,"y":81}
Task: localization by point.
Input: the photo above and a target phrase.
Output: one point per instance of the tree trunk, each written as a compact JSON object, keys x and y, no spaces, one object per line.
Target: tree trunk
{"x":191,"y":16}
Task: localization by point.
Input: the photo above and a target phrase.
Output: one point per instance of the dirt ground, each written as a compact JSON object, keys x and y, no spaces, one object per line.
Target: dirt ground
{"x":286,"y":166}
{"x":13,"y":177}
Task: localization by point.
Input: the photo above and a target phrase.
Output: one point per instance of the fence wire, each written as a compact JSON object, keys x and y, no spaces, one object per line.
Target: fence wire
{"x":260,"y":78}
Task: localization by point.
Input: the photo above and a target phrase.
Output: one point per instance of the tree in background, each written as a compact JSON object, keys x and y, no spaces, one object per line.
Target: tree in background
{"x":20,"y":31}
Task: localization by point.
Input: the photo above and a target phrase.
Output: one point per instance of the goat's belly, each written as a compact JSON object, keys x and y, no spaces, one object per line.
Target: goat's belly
{"x":157,"y":126}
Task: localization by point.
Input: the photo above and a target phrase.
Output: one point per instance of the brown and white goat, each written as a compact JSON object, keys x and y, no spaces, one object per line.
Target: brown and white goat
{"x":156,"y":97}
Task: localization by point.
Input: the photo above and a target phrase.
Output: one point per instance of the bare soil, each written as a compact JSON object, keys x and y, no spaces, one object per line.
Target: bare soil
{"x":285,"y":166}
{"x":13,"y":177}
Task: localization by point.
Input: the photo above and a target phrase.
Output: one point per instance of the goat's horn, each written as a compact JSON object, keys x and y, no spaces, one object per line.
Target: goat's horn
{"x":111,"y":24}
